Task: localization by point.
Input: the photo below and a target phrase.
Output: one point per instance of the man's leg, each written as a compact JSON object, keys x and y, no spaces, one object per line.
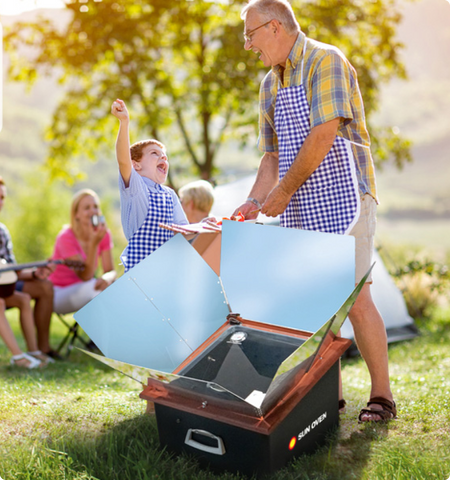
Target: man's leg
{"x":368,"y":326}
{"x":42,"y":292}
{"x":371,"y":339}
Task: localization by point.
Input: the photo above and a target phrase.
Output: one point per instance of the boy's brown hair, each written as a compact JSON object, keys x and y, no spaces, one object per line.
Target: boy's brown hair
{"x":137,"y":148}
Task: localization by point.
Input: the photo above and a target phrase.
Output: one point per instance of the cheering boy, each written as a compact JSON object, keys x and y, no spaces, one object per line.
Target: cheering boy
{"x":145,"y":201}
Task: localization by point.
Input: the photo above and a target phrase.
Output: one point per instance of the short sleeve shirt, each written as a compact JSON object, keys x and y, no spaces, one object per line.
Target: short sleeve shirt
{"x":66,"y":246}
{"x":134,"y":203}
{"x":332,"y":90}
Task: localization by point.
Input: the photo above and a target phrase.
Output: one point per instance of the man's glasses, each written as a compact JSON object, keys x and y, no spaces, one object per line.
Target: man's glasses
{"x":248,"y":35}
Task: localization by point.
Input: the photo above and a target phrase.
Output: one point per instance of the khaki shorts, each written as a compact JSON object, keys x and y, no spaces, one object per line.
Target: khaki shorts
{"x":364,"y":232}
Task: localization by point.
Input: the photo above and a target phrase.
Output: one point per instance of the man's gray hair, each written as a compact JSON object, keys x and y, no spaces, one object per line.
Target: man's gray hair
{"x":280,"y":10}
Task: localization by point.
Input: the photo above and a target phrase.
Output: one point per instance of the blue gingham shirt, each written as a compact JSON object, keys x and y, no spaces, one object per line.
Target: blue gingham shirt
{"x":134,"y":203}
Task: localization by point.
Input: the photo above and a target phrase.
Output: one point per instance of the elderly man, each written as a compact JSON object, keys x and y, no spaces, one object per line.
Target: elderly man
{"x":316,"y":171}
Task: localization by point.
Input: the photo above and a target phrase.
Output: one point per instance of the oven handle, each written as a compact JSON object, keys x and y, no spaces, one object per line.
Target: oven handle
{"x":219,"y":450}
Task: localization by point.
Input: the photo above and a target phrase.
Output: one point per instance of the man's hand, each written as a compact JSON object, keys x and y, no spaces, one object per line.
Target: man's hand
{"x":248,"y":209}
{"x":276,"y":202}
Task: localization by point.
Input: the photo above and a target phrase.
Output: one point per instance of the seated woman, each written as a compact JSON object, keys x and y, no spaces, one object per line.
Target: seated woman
{"x":87,"y":239}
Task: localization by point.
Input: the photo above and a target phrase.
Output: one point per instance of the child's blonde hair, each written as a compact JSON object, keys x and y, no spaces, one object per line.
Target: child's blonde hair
{"x":200,"y":192}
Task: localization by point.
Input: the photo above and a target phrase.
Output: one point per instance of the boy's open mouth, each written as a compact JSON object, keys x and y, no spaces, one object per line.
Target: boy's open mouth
{"x":162,"y":167}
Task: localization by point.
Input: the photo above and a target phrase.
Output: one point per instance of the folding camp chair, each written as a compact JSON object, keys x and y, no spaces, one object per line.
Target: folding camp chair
{"x":74,"y":334}
{"x":74,"y":331}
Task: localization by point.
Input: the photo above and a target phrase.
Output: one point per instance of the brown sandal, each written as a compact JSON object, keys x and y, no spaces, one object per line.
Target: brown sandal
{"x":388,"y":412}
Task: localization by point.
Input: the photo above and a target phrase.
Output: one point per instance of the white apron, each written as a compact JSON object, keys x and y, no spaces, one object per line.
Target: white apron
{"x":329,"y":200}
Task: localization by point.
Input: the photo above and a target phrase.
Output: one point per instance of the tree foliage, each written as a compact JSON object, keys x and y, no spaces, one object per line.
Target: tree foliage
{"x":34,"y":214}
{"x":181,"y":67}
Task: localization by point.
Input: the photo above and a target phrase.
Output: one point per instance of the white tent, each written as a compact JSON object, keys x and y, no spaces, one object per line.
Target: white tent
{"x":387,"y":296}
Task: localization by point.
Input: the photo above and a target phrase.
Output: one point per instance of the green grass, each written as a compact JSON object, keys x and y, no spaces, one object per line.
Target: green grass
{"x":78,"y":419}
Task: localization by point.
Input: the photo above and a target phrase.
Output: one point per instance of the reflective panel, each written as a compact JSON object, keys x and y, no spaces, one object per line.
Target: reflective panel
{"x":293,"y":368}
{"x":168,"y":307}
{"x":245,"y":370}
{"x":158,"y":312}
{"x":184,"y":288}
{"x":318,"y":342}
{"x":283,"y":276}
{"x":126,"y":326}
{"x":343,"y":312}
{"x":140,"y":374}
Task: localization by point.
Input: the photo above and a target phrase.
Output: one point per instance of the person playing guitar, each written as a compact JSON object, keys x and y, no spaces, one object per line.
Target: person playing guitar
{"x":32,"y":283}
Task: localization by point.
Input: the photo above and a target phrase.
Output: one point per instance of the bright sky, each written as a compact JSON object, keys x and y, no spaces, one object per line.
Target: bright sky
{"x":14,"y":7}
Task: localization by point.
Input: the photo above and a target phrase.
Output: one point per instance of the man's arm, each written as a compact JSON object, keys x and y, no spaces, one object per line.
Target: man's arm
{"x":266,"y":179}
{"x":316,"y":146}
{"x":119,"y":110}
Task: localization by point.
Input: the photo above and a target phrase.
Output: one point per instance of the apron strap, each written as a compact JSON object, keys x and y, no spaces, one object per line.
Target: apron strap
{"x":358,"y":144}
{"x":303,"y":60}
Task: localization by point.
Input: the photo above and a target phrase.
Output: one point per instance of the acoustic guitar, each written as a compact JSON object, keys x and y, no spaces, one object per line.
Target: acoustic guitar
{"x":8,"y":275}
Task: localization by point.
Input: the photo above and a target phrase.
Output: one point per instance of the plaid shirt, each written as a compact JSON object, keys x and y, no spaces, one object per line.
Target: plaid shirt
{"x":6,"y":246}
{"x":332,"y":90}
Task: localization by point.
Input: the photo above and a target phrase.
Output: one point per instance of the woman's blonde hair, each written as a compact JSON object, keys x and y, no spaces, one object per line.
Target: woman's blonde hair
{"x":76,"y":199}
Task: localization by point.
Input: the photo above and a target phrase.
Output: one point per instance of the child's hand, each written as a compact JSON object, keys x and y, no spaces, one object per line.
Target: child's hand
{"x":119,"y":110}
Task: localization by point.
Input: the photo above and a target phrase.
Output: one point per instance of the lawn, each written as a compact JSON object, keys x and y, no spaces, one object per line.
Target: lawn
{"x":78,"y":419}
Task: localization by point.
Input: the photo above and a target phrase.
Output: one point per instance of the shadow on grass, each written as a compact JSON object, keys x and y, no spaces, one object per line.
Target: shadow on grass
{"x":128,"y":451}
{"x":131,"y":451}
{"x":344,"y":458}
{"x":79,"y":371}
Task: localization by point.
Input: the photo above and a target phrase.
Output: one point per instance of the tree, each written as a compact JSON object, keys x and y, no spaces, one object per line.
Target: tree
{"x":34,"y":213}
{"x":181,"y":67}
{"x":365,"y":32}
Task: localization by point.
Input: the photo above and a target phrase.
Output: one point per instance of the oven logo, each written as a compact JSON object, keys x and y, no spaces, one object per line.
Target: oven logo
{"x":306,"y":430}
